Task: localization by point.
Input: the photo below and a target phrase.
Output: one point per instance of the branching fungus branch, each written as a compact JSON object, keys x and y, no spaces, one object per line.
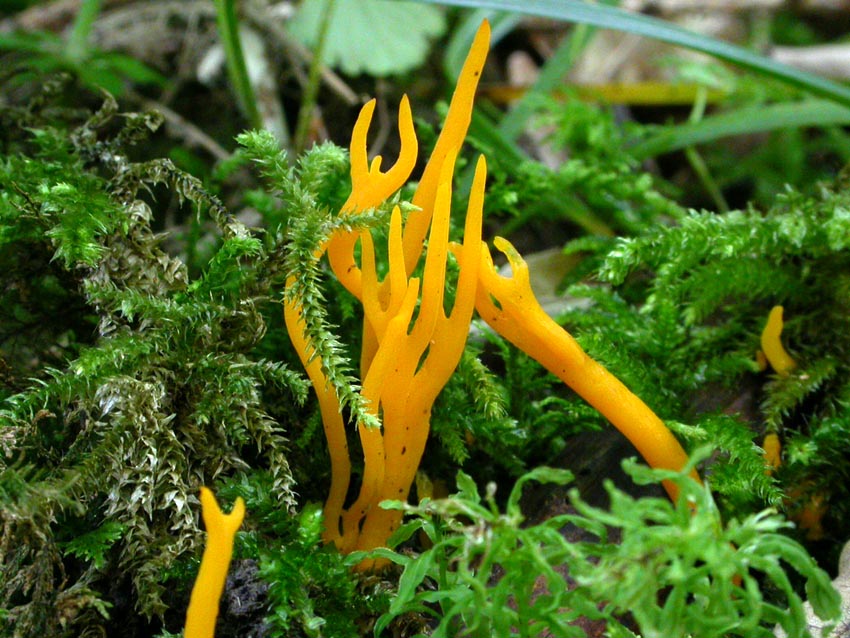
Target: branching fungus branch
{"x":209,"y":585}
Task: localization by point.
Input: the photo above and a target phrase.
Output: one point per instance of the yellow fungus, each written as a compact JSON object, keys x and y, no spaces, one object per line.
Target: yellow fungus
{"x":810,"y":509}
{"x":209,"y":585}
{"x":451,"y":137}
{"x":771,"y":344}
{"x":405,"y":362}
{"x":810,"y":517}
{"x":403,"y":367}
{"x":772,"y":447}
{"x":774,"y":353}
{"x":509,"y":306}
{"x":331,"y":420}
{"x":421,"y":361}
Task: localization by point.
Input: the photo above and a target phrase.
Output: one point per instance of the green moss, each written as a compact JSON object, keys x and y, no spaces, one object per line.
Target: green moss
{"x":156,"y":388}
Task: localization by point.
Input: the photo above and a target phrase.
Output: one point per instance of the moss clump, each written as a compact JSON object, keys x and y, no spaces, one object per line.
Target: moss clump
{"x":127,"y":382}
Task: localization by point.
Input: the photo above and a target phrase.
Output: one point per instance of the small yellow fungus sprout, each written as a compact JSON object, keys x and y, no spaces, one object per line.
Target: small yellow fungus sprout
{"x":782,"y":363}
{"x":209,"y":585}
{"x":810,"y":512}
{"x":510,"y":308}
{"x":810,"y":516}
{"x":771,"y":345}
{"x":772,"y":447}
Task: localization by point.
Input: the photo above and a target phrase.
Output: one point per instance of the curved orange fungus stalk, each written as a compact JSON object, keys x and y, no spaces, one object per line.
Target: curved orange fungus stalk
{"x":405,"y":362}
{"x":509,"y":307}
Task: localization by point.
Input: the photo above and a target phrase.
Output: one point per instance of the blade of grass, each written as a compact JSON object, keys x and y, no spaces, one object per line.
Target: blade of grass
{"x":77,"y":47}
{"x":497,"y":143}
{"x":311,"y":91}
{"x":696,"y":161}
{"x":646,"y":93}
{"x":551,"y":75}
{"x":500,"y":137}
{"x":612,"y":18}
{"x":228,"y":31}
{"x":749,"y":119}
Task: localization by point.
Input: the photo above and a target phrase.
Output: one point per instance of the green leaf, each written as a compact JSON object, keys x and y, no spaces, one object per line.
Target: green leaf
{"x":612,"y":18}
{"x":823,"y":597}
{"x":370,"y":36}
{"x":414,"y":573}
{"x":540,"y":475}
{"x":747,"y":120}
{"x":134,"y":69}
{"x":405,"y":531}
{"x":467,"y":489}
{"x":30,"y":41}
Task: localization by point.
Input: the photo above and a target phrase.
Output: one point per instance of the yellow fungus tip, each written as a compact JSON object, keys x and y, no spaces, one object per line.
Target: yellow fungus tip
{"x":209,"y":585}
{"x":771,"y":344}
{"x":772,"y":447}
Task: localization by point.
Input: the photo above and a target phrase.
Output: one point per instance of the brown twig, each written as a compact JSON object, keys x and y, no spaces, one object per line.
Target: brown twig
{"x":183,"y":129}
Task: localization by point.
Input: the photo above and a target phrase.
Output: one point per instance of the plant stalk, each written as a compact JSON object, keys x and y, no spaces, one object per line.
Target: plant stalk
{"x":237,"y":71}
{"x":308,"y":101}
{"x":78,"y":41}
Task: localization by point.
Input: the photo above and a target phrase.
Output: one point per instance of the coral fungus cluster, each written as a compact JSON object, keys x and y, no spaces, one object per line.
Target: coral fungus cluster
{"x":405,"y":362}
{"x":403,"y":367}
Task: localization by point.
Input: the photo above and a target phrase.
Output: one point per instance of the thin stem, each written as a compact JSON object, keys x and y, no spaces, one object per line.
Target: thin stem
{"x":237,"y":71}
{"x":695,"y":159}
{"x":551,"y":76}
{"x":704,"y":175}
{"x":308,"y":101}
{"x":78,"y":40}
